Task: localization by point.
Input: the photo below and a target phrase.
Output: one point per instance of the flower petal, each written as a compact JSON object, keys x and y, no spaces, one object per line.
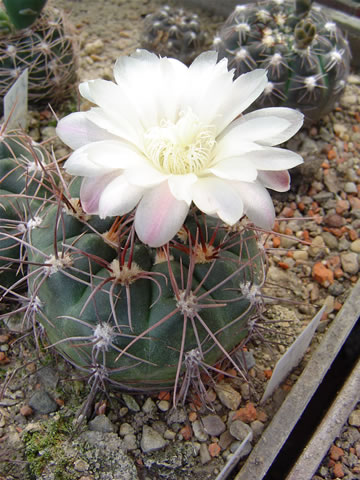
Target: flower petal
{"x":159,"y":216}
{"x":273,"y":158}
{"x":258,"y":205}
{"x":118,"y":198}
{"x":256,"y":129}
{"x":216,"y":197}
{"x":91,"y":190}
{"x":99,"y":158}
{"x":181,"y":186}
{"x":237,"y":168}
{"x":293,"y":117}
{"x":76,"y":130}
{"x":278,"y":181}
{"x":146,"y":175}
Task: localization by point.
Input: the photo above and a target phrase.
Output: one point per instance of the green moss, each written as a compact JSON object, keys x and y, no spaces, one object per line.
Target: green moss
{"x":45,"y":446}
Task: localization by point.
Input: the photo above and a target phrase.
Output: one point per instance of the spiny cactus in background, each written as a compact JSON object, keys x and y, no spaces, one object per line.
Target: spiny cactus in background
{"x":134,"y":316}
{"x":23,"y":165}
{"x":173,"y":32}
{"x":305,"y":54}
{"x":45,"y":48}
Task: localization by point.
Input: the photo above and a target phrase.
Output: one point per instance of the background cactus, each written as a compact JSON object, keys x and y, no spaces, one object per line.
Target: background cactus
{"x":174,"y":32}
{"x":22,"y":189}
{"x":135,"y":316}
{"x":306,"y":56}
{"x":45,"y":47}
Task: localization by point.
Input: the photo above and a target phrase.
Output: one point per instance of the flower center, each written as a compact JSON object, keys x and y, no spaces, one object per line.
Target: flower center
{"x":182,"y":147}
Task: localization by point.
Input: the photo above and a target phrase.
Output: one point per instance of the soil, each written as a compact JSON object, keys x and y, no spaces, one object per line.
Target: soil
{"x":313,"y":260}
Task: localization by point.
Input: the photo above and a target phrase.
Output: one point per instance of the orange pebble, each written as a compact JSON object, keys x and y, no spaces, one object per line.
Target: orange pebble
{"x":186,"y":432}
{"x":283,"y":265}
{"x":276,"y":242}
{"x":164,"y":395}
{"x":214,"y":449}
{"x":331,"y":154}
{"x":322,"y":274}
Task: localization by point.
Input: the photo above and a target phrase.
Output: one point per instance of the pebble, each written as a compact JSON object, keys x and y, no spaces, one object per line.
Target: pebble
{"x":163,"y":405}
{"x":330,"y":240}
{"x":95,"y":47}
{"x":47,"y":377}
{"x":199,"y":431}
{"x":101,"y":424}
{"x":130,"y":402}
{"x":205,"y":456}
{"x":355,"y":246}
{"x":130,"y":441}
{"x":354,"y":418}
{"x":42,"y":402}
{"x":301,"y":255}
{"x":213,"y":425}
{"x":225,"y":440}
{"x":81,"y":466}
{"x":176,"y":415}
{"x":125,"y":429}
{"x":350,"y":187}
{"x":151,"y":440}
{"x":350,"y":262}
{"x":239,"y":430}
{"x":228,"y":396}
{"x":149,"y":406}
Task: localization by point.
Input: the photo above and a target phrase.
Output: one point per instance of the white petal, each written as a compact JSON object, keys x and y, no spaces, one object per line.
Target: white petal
{"x":159,"y":216}
{"x":258,"y":205}
{"x":117,"y":105}
{"x":91,"y":190}
{"x":99,"y":158}
{"x":273,"y":158}
{"x":181,"y":186}
{"x":239,"y":168}
{"x":257,"y":129}
{"x":77,"y":130}
{"x":145,"y":176}
{"x":230,"y":146}
{"x":278,"y":181}
{"x":118,"y":198}
{"x":293,"y":117}
{"x":216,"y":197}
{"x":243,"y":92}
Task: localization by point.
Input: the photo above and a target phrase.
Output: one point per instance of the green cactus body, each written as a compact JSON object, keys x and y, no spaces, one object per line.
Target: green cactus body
{"x":133,"y":314}
{"x":47,"y":50}
{"x":173,"y":32}
{"x":23,"y":13}
{"x":305,"y":54}
{"x":21,"y":192}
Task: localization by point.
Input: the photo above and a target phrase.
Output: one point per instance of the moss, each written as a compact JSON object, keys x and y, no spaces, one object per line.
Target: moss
{"x":44,"y":447}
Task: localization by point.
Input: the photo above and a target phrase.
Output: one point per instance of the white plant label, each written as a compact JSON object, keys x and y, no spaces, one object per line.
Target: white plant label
{"x":16,"y":103}
{"x":292,"y":356}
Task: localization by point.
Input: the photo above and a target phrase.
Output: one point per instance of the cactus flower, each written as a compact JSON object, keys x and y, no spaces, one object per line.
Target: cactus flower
{"x":165,"y":135}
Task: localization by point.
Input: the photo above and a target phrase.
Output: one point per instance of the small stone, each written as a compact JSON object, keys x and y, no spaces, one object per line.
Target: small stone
{"x":149,"y":406}
{"x":26,"y":410}
{"x":228,"y":396}
{"x":47,"y":377}
{"x":102,"y":424}
{"x":163,"y":405}
{"x":177,"y":415}
{"x":338,"y":470}
{"x":350,"y":262}
{"x":94,"y":47}
{"x":355,"y":246}
{"x":151,"y":440}
{"x":204,"y":454}
{"x":81,"y":466}
{"x":240,"y":430}
{"x":130,"y":442}
{"x":322,"y":274}
{"x":330,"y":240}
{"x":350,"y":187}
{"x":246,"y":414}
{"x":125,"y":429}
{"x":213,"y":425}
{"x":225,"y":440}
{"x":301,"y":255}
{"x":214,"y":449}
{"x":336,"y":453}
{"x":257,"y":427}
{"x":41,"y":402}
{"x":329,"y":303}
{"x":317,"y":246}
{"x":169,"y":435}
{"x":199,"y":431}
{"x":354,"y":418}
{"x":130,"y":402}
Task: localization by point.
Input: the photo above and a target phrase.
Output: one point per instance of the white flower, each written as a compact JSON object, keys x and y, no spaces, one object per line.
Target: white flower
{"x":165,"y":135}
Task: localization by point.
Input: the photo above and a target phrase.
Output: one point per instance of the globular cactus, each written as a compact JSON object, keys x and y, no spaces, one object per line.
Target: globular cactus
{"x":305,"y":54}
{"x":174,"y":32}
{"x":23,"y":13}
{"x":22,"y":190}
{"x":135,"y":316}
{"x":45,"y":48}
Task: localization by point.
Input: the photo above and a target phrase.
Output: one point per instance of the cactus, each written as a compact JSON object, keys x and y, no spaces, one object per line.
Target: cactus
{"x":46,"y":48}
{"x":22,"y":189}
{"x":306,"y":56}
{"x":23,"y":13}
{"x":134,"y":316}
{"x":173,"y":32}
